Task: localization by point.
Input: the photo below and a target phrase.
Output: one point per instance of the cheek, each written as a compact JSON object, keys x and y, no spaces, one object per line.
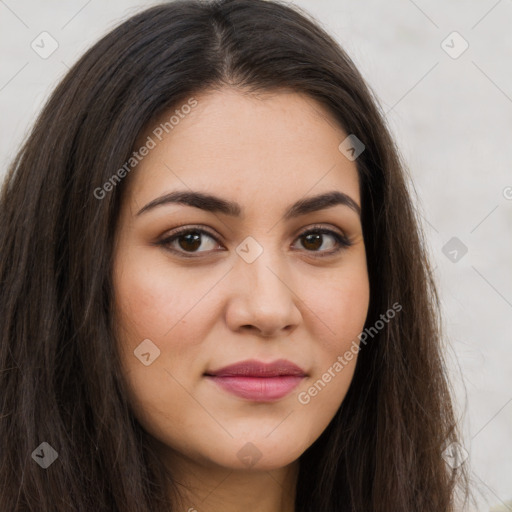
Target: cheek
{"x":157,"y":302}
{"x":175,"y":312}
{"x":339,"y":306}
{"x":338,"y":311}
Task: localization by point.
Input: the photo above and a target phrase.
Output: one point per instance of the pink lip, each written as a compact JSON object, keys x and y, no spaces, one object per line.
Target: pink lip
{"x":261,"y":382}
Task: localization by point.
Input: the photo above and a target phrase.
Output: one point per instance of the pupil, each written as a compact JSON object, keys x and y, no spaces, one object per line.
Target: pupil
{"x":315,"y":238}
{"x":191,"y":238}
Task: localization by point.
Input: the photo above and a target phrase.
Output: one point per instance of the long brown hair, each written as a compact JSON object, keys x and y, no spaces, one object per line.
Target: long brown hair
{"x":60,"y":378}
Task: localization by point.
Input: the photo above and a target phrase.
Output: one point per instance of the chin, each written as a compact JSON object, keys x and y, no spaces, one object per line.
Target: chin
{"x":259,"y":454}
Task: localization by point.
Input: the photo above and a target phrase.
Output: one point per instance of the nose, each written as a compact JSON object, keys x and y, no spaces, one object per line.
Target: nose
{"x":263,"y":298}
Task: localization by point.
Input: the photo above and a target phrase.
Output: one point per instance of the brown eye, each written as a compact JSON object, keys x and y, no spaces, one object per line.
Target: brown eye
{"x":187,"y":241}
{"x":314,"y":239}
{"x":190,"y":242}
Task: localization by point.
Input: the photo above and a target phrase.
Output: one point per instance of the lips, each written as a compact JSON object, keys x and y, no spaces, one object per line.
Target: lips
{"x":257,"y":381}
{"x":253,"y":368}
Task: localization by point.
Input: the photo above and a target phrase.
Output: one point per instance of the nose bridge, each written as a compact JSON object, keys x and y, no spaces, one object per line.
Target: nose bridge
{"x":266,"y":276}
{"x":262,"y":270}
{"x":264,"y":264}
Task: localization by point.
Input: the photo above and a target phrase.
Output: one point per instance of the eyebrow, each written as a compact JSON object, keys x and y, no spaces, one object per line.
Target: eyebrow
{"x":214,"y":204}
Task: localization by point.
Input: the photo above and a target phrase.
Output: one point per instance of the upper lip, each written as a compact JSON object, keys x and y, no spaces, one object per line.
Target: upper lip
{"x":253,"y":368}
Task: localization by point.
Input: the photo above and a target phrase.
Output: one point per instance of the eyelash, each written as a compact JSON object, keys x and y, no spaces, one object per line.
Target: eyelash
{"x":342,"y":241}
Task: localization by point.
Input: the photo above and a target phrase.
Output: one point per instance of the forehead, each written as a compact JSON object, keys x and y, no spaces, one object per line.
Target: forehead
{"x":260,"y":150}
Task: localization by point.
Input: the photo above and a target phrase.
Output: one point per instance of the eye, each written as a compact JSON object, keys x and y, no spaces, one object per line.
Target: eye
{"x":313,"y":240}
{"x":187,"y":240}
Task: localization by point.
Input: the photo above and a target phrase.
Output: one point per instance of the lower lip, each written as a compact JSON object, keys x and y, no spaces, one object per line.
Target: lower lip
{"x":259,"y":389}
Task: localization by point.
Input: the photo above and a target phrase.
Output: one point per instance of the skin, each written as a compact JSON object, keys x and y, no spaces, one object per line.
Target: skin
{"x":215,"y":309}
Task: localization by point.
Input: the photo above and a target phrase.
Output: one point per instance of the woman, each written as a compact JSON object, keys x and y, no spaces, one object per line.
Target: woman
{"x":215,"y":292}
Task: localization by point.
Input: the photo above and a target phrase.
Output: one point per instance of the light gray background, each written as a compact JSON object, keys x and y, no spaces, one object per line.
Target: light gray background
{"x":452,"y":119}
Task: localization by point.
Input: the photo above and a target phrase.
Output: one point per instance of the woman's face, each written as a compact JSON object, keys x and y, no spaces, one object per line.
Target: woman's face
{"x":251,"y":280}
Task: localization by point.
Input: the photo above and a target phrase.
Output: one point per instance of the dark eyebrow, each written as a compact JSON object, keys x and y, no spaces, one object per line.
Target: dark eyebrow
{"x":215,"y":204}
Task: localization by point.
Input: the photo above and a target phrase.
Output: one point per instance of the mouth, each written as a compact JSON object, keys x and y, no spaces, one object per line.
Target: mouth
{"x":257,"y":381}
